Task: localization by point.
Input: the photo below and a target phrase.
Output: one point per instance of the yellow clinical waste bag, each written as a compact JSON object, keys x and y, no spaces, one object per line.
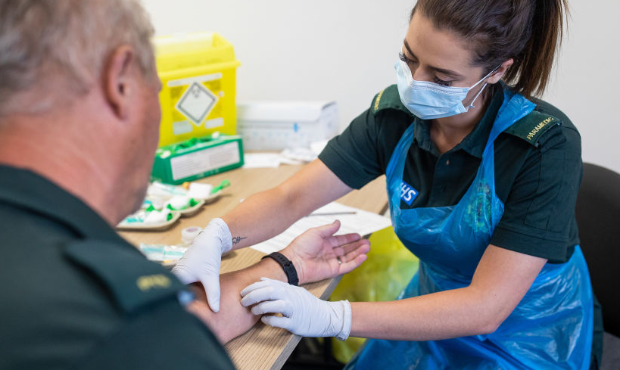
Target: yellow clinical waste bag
{"x":198,"y":75}
{"x":387,"y":271}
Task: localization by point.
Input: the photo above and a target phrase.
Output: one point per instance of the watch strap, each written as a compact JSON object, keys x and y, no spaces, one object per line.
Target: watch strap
{"x":287,"y":266}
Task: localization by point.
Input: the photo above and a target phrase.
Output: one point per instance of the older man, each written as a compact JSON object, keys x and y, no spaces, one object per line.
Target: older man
{"x":79,"y":123}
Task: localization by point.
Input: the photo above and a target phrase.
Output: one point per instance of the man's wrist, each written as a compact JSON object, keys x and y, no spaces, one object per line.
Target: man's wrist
{"x":287,"y":266}
{"x":288,"y":253}
{"x":275,"y":271}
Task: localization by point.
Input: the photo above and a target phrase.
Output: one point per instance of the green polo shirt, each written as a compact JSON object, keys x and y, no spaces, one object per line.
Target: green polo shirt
{"x":537,"y":179}
{"x":75,"y":295}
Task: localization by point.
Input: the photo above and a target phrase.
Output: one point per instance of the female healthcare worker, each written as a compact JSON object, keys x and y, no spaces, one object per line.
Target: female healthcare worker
{"x":482,"y":181}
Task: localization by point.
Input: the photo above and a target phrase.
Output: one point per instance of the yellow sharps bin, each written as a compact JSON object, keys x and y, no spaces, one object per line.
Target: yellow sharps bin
{"x":198,"y":75}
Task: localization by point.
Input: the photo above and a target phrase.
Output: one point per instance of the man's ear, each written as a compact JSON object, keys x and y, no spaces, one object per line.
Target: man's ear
{"x":500,"y":72}
{"x":118,"y":81}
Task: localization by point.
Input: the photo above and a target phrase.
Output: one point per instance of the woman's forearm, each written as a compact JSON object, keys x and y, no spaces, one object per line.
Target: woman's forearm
{"x":260,"y":217}
{"x":268,"y":213}
{"x":501,"y":280}
{"x":443,"y":315}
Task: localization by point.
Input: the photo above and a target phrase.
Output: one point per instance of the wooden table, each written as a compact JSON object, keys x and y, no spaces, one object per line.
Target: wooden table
{"x":262,"y":347}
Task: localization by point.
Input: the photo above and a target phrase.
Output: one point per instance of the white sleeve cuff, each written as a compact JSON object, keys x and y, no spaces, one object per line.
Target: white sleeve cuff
{"x":346,"y":321}
{"x":223,"y":233}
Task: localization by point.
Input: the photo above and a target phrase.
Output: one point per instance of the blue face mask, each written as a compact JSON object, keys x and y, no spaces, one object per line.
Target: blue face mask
{"x":429,"y":100}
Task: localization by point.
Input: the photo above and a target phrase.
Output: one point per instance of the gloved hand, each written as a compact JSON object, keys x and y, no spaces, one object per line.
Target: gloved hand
{"x":202,"y":260}
{"x":304,"y":314}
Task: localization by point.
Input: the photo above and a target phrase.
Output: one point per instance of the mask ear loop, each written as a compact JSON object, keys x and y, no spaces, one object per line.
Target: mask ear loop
{"x":471,"y":105}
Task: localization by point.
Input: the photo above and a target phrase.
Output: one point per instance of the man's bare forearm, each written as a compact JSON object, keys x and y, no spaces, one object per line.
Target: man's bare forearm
{"x":233,"y":319}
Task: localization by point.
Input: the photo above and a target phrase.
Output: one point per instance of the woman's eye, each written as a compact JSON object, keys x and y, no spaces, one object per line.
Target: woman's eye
{"x":405,"y":59}
{"x":442,"y":82}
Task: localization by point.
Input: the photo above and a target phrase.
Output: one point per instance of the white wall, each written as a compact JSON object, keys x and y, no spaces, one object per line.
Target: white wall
{"x":586,"y":85}
{"x":345,"y":50}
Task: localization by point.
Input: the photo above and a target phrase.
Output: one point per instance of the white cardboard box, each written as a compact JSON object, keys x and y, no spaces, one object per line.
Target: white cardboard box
{"x":281,"y":125}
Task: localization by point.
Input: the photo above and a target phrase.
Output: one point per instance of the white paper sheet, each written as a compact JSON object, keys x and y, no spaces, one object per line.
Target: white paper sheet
{"x":352,"y":220}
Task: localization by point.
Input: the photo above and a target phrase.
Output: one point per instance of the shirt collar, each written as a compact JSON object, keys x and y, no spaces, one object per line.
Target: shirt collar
{"x":28,"y":190}
{"x":474,"y":142}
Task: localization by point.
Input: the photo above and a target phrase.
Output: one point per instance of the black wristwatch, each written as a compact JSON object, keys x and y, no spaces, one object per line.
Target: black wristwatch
{"x":287,"y":266}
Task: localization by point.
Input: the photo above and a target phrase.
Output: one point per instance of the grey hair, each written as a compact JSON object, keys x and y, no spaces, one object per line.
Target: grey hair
{"x":56,"y":49}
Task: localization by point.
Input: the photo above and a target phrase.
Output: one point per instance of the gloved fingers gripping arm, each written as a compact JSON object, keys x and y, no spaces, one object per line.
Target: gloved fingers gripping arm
{"x":316,"y":254}
{"x":304,"y":314}
{"x":234,"y":319}
{"x":202,"y":260}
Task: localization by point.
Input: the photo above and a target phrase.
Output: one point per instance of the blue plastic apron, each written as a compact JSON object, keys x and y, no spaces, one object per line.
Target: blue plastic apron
{"x":551,"y":328}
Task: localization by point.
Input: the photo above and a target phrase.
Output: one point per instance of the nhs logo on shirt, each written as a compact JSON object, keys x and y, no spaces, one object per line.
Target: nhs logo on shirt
{"x":407,"y":193}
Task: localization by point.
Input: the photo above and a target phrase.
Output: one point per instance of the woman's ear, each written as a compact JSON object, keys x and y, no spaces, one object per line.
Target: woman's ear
{"x":500,"y":72}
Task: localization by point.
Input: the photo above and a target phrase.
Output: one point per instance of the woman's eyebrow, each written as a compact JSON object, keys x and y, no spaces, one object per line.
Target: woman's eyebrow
{"x":437,"y":69}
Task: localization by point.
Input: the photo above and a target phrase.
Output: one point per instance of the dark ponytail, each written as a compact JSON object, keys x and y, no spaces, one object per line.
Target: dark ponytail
{"x":528,"y":31}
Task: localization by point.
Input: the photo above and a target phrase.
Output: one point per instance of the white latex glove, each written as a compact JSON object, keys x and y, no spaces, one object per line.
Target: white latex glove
{"x":304,"y":314}
{"x":202,"y":260}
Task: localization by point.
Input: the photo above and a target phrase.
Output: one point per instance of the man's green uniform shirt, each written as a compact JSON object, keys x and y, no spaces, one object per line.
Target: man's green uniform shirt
{"x":538,"y":171}
{"x":75,"y":295}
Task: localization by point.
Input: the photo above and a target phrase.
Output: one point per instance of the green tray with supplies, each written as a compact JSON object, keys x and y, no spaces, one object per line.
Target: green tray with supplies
{"x":197,"y":158}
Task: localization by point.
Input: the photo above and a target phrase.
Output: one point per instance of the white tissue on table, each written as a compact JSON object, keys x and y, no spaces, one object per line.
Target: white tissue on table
{"x":157,"y":217}
{"x":179,"y":202}
{"x":199,"y":191}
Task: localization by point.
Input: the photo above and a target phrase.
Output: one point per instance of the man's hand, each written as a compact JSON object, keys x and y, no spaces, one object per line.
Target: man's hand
{"x":317,"y":254}
{"x":203,"y":258}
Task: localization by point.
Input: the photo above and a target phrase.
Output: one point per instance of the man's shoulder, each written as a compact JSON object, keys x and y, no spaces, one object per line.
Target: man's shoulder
{"x":150,"y":301}
{"x":75,"y":295}
{"x":129,"y":279}
{"x":46,"y":254}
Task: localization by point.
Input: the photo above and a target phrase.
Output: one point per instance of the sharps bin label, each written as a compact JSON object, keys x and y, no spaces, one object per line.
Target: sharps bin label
{"x":196,"y":103}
